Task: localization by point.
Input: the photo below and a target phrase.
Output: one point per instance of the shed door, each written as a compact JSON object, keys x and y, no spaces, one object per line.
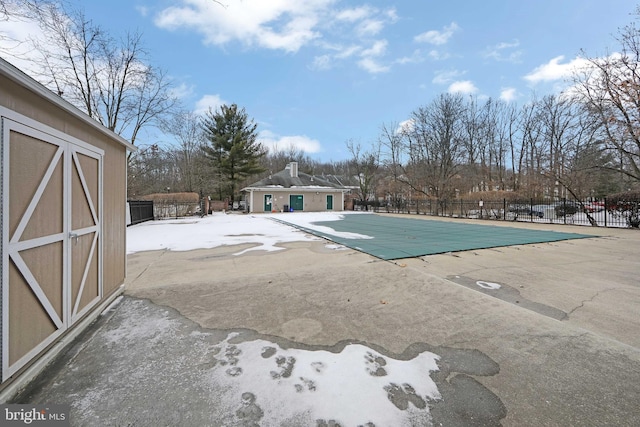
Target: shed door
{"x":84,"y":233}
{"x":52,"y":236}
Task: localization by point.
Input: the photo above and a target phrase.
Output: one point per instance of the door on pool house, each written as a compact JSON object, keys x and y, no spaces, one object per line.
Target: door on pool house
{"x":329,"y":202}
{"x":268,"y":202}
{"x":296,"y":202}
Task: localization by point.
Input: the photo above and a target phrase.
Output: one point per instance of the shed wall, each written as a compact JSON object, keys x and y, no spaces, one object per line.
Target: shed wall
{"x":106,"y":175}
{"x":25,"y":102}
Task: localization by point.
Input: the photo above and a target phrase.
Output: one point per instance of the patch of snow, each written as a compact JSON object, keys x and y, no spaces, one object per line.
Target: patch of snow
{"x":335,"y":247}
{"x":269,"y":384}
{"x":210,"y":232}
{"x":488,"y":285}
{"x":221,"y":229}
{"x":247,"y":380}
{"x":307,"y":220}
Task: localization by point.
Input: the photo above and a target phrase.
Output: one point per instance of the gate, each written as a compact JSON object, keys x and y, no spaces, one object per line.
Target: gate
{"x":141,"y":211}
{"x":52,"y":231}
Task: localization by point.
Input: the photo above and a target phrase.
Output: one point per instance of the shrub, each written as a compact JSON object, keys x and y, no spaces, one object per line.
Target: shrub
{"x":627,"y":203}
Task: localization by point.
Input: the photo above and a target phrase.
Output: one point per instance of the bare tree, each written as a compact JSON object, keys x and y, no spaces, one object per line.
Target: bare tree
{"x":610,"y":86}
{"x":435,"y":148}
{"x":529,"y":154}
{"x":501,"y":131}
{"x":185,"y":126}
{"x":473,"y":142}
{"x":277,"y":159}
{"x":110,"y":79}
{"x":22,"y":9}
{"x":365,"y":164}
{"x":391,"y":141}
{"x":152,"y":169}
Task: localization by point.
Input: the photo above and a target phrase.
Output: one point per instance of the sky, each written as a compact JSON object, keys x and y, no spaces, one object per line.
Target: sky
{"x":318,"y":73}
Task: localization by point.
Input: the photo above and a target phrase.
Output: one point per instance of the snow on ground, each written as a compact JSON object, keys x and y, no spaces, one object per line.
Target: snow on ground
{"x":354,"y":387}
{"x":238,"y":379}
{"x":229,"y":229}
{"x":488,"y":285}
{"x":611,"y":219}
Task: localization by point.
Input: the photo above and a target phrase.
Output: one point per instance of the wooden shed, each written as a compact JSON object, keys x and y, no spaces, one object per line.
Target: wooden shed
{"x":63,"y":222}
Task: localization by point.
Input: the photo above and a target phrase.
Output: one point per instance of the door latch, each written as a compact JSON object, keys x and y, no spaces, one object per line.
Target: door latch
{"x":74,"y":236}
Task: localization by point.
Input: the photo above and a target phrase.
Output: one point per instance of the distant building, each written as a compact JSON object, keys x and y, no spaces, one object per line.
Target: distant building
{"x":291,"y":190}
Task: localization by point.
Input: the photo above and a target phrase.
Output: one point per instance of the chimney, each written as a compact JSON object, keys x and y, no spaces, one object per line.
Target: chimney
{"x":293,"y":169}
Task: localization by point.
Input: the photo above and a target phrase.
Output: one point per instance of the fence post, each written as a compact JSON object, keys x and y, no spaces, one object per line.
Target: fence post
{"x":461,"y":211}
{"x":605,"y":212}
{"x":531,"y":209}
{"x":504,"y":209}
{"x":564,"y":210}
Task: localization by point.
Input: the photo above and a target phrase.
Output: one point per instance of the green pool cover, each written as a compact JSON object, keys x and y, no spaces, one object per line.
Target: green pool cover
{"x":395,"y":238}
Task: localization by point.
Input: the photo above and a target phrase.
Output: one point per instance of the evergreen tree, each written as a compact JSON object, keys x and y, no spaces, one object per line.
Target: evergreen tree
{"x":232,"y":147}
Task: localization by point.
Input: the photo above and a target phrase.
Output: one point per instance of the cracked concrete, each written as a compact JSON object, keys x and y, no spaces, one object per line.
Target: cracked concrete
{"x":573,"y":310}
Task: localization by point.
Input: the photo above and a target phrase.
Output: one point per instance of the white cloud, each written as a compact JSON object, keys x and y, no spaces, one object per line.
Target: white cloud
{"x":348,"y":51}
{"x":15,"y":45}
{"x":370,"y":27}
{"x":278,"y":24}
{"x":143,"y":10}
{"x":406,"y":126}
{"x":443,"y":77}
{"x":392,"y":14}
{"x":276,"y":142}
{"x":555,"y":70}
{"x":181,"y":91}
{"x":209,"y":101}
{"x":337,"y":35}
{"x":508,"y":94}
{"x":322,"y":62}
{"x":370,"y":62}
{"x":437,"y":37}
{"x":378,"y":49}
{"x":355,"y":14}
{"x":462,"y":86}
{"x":415,"y":58}
{"x":504,"y":52}
{"x":438,"y":56}
{"x":373,"y":66}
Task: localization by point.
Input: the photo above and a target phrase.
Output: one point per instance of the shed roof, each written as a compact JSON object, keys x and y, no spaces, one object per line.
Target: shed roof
{"x":19,"y":77}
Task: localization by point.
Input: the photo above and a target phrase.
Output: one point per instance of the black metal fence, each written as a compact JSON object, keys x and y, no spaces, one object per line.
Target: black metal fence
{"x":563,"y":211}
{"x":141,"y":210}
{"x":176,"y":208}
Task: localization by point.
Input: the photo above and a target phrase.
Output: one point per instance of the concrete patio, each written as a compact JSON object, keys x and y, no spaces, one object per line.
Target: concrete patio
{"x":540,"y":334}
